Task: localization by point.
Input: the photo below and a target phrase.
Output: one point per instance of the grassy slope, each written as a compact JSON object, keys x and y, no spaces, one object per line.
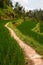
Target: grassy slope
{"x":24,"y":31}
{"x":10,"y":52}
{"x":25,"y":28}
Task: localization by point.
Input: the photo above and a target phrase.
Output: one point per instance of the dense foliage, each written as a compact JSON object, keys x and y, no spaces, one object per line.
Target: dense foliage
{"x":5,"y":3}
{"x":36,"y":14}
{"x":19,"y":10}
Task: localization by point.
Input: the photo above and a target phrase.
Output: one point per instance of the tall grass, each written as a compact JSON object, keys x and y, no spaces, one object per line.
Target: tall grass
{"x":10,"y":52}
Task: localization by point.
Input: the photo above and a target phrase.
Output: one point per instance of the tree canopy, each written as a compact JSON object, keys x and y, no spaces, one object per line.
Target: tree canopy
{"x":5,"y":2}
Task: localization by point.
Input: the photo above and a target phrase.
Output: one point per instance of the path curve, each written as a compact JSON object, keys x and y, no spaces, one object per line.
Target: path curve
{"x":29,"y":51}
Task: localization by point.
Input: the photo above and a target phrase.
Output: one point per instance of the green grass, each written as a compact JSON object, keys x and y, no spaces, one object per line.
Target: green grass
{"x":41,"y":27}
{"x":24,"y":31}
{"x":10,"y":52}
{"x":26,"y":27}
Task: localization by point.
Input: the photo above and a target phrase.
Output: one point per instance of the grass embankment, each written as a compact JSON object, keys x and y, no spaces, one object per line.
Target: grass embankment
{"x":10,"y":52}
{"x":24,"y":31}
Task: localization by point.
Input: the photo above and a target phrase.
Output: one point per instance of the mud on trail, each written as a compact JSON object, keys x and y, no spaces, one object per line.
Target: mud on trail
{"x":28,"y":51}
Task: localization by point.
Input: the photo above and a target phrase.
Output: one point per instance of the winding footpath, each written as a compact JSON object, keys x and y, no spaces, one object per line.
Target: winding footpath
{"x":29,"y":51}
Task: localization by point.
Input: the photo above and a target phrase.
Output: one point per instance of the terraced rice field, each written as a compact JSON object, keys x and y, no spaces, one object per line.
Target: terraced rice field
{"x":26,"y":29}
{"x":10,"y":51}
{"x":32,"y":38}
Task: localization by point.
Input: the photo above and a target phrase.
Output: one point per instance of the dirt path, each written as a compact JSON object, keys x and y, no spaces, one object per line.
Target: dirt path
{"x":29,"y":52}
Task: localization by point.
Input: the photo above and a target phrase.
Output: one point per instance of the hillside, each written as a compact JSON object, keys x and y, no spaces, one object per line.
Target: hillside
{"x":25,"y":32}
{"x":35,"y":38}
{"x":21,"y":40}
{"x":7,"y":13}
{"x":10,"y":51}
